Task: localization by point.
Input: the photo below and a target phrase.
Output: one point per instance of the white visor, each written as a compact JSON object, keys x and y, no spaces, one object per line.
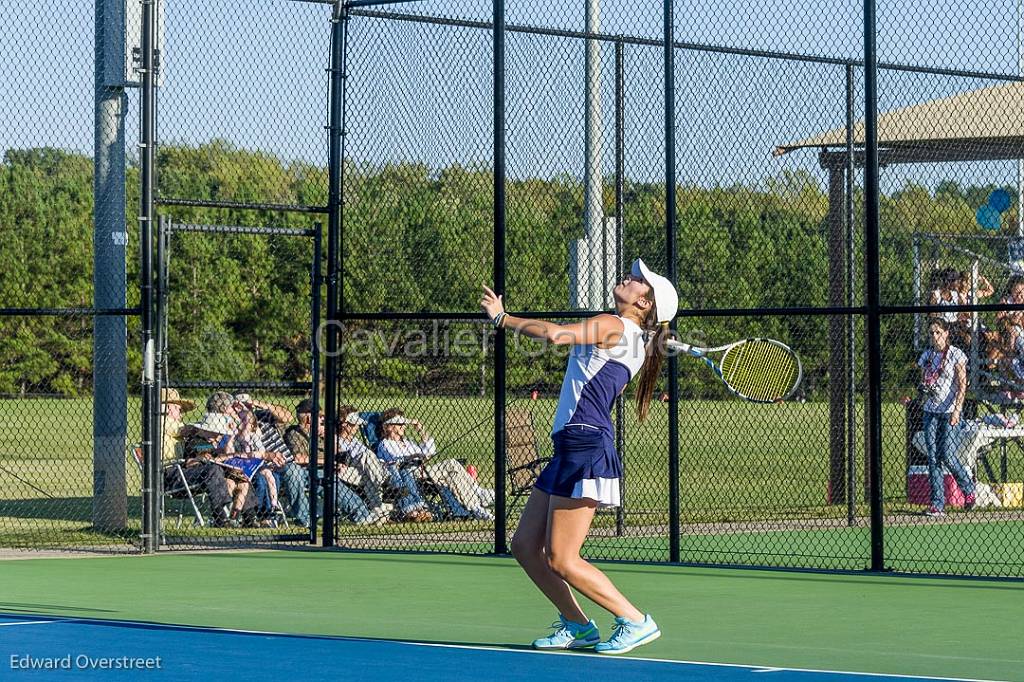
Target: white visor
{"x":665,"y":296}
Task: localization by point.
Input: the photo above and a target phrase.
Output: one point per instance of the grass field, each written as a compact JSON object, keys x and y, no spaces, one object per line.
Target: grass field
{"x":753,"y":486}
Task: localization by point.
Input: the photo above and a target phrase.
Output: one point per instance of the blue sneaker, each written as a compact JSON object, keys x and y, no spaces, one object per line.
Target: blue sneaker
{"x":569,"y":635}
{"x":629,"y":635}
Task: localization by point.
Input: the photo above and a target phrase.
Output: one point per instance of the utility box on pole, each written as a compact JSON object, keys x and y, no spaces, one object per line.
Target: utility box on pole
{"x":593,"y":269}
{"x":121,"y":63}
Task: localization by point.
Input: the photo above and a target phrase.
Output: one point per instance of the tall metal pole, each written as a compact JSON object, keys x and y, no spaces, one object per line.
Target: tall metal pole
{"x":836,"y":336}
{"x":851,"y":348}
{"x":339,"y":27}
{"x":315,"y":281}
{"x":620,"y":164}
{"x":500,"y":358}
{"x":110,"y":238}
{"x":147,"y":213}
{"x":593,"y":142}
{"x":873,"y":285}
{"x":314,"y":284}
{"x":915,"y":248}
{"x":670,"y":251}
{"x":975,"y":359}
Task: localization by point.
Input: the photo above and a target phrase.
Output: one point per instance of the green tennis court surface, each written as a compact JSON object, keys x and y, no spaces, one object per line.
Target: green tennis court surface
{"x":877,"y":624}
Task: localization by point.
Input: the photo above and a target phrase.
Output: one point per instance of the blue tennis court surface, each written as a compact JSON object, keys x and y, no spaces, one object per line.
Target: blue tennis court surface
{"x":108,"y":650}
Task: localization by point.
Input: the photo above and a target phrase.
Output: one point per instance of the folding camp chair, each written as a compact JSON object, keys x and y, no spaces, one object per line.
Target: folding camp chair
{"x":440,"y":500}
{"x":523,"y":460}
{"x":180,"y":491}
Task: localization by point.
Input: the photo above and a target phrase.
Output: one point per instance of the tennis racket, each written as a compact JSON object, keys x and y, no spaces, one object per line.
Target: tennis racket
{"x":758,"y":370}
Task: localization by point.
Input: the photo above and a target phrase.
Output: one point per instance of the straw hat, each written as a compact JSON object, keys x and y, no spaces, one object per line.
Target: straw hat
{"x":170,"y":396}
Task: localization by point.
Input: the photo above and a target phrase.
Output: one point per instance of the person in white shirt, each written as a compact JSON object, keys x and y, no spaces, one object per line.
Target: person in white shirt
{"x":944,"y":385}
{"x":467,"y":498}
{"x":357,"y":464}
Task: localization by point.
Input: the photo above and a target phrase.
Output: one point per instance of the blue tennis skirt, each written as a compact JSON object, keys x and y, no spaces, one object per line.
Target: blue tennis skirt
{"x":585,"y":466}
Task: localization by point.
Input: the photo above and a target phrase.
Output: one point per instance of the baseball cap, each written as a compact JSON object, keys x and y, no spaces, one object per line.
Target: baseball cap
{"x":220,"y":401}
{"x":216,"y":423}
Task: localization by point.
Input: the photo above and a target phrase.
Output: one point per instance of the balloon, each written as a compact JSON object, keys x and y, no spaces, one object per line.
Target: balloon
{"x":989,"y":218}
{"x":999,"y":199}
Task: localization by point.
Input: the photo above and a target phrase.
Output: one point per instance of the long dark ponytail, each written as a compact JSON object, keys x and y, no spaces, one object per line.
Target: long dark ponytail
{"x":654,"y":355}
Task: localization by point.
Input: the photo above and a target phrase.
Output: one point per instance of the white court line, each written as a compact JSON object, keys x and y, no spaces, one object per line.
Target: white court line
{"x":745,"y":666}
{"x":528,"y":652}
{"x":33,"y":622}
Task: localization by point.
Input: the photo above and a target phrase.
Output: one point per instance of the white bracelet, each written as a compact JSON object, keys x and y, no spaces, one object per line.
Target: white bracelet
{"x":499,"y":318}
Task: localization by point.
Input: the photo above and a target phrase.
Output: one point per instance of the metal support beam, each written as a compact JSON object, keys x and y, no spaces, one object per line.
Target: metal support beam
{"x":668,"y":28}
{"x":339,"y":26}
{"x":151,"y":444}
{"x":110,"y":239}
{"x":500,"y":357}
{"x":836,"y":339}
{"x":873,"y":286}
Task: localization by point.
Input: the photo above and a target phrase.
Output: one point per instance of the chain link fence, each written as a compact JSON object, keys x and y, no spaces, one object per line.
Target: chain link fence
{"x":770,"y":200}
{"x":774,"y":233}
{"x":70,"y":355}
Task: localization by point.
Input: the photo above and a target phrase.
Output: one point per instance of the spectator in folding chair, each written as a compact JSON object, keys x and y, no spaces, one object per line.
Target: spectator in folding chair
{"x":172,"y":424}
{"x":204,"y":472}
{"x":259,"y":463}
{"x":347,"y":502}
{"x":259,"y":436}
{"x":1012,"y":321}
{"x":462,"y":495}
{"x":247,"y":441}
{"x":408,"y":497}
{"x":270,"y":419}
{"x":172,"y":452}
{"x":357,"y":464}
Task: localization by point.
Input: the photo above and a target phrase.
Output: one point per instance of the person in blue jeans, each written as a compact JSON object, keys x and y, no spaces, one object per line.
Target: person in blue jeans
{"x":295,"y":477}
{"x":944,"y":385}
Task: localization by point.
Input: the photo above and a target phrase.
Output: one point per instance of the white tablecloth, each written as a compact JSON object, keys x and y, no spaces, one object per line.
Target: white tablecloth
{"x":972,"y":436}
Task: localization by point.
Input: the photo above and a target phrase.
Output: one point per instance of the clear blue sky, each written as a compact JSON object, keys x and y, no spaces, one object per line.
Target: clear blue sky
{"x":254,"y":74}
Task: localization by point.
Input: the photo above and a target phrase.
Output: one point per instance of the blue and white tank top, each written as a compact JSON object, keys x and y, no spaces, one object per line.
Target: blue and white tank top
{"x":595,"y":376}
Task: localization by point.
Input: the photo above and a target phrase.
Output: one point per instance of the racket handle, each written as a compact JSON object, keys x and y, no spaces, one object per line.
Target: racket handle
{"x":684,"y":347}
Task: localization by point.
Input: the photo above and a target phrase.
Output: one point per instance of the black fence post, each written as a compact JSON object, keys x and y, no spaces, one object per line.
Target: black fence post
{"x":339,"y":25}
{"x":150,"y":396}
{"x":500,"y":530}
{"x":314,"y":361}
{"x":620,"y":165}
{"x":851,"y":349}
{"x":871,"y":229}
{"x":670,"y":251}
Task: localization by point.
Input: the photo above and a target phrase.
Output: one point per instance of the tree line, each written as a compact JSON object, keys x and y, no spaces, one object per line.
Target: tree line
{"x":419,"y":239}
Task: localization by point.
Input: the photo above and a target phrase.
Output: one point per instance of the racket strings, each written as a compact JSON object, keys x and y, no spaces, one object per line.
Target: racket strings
{"x":760,"y":370}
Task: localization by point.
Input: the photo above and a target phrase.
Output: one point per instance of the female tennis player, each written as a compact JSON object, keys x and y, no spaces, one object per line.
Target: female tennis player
{"x":608,"y":351}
